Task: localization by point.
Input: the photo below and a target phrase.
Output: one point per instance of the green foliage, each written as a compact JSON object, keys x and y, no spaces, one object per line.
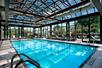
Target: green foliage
{"x":94,"y":25}
{"x":60,"y":30}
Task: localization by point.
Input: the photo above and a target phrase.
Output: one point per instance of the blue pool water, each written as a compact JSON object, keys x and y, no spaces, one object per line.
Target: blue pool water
{"x":52,"y":54}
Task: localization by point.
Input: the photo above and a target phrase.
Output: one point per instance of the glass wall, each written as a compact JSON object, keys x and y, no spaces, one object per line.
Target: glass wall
{"x":18,"y":32}
{"x":14,"y":32}
{"x":79,"y":29}
{"x":28,"y":32}
{"x":46,"y":32}
{"x":59,"y":31}
{"x":53,"y":32}
{"x":82,"y":29}
{"x":88,"y":29}
{"x":95,"y":28}
{"x":72,"y":30}
{"x":37,"y":32}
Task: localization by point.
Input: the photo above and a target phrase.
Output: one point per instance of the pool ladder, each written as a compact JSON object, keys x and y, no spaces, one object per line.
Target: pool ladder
{"x":22,"y":61}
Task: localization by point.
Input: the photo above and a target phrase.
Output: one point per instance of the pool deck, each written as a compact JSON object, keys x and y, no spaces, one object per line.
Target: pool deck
{"x":6,"y":53}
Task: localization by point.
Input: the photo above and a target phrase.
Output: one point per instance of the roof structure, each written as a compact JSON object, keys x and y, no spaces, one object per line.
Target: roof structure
{"x":43,"y":12}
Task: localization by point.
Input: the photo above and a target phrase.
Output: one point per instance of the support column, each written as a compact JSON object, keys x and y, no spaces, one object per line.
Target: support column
{"x":22,"y":31}
{"x":68,"y":31}
{"x":0,"y":30}
{"x":6,"y":3}
{"x":19,"y":34}
{"x":5,"y":32}
{"x":9,"y":32}
{"x":0,"y":26}
{"x":75,"y":31}
{"x":15,"y":31}
{"x":50,"y":31}
{"x":43,"y":31}
{"x":81,"y":30}
{"x":40,"y":32}
{"x":101,"y":29}
{"x":33,"y":32}
{"x":89,"y":30}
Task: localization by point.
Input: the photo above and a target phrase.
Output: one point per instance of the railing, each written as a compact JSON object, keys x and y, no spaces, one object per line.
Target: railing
{"x":22,"y":61}
{"x":94,"y":39}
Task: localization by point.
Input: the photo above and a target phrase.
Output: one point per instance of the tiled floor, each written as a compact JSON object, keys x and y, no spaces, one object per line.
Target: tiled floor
{"x":6,"y":53}
{"x":96,"y":60}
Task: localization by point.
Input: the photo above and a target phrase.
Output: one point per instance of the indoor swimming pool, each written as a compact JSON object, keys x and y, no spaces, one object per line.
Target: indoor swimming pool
{"x":53,"y":54}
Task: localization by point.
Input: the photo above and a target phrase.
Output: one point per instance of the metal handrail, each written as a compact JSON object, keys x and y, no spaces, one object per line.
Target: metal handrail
{"x":26,"y":61}
{"x":19,"y":54}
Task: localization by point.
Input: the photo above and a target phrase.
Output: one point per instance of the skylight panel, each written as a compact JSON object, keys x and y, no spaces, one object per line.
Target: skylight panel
{"x":73,"y":15}
{"x":42,"y":6}
{"x":84,"y":12}
{"x":78,"y":1}
{"x":69,"y":16}
{"x":60,"y":5}
{"x":78,"y":13}
{"x":91,"y":10}
{"x":72,"y":2}
{"x":52,"y":8}
{"x":96,"y":9}
{"x":38,"y":3}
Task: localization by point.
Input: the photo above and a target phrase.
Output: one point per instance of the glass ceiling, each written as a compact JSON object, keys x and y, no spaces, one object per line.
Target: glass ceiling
{"x":47,"y":11}
{"x":44,"y":7}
